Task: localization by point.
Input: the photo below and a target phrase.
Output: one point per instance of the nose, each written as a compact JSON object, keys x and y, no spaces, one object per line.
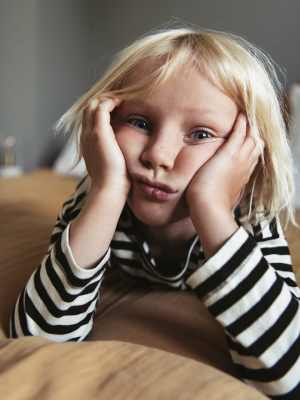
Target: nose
{"x":161,"y":150}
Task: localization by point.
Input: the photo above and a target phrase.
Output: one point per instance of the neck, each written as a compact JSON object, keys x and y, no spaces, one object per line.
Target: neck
{"x":177,"y":233}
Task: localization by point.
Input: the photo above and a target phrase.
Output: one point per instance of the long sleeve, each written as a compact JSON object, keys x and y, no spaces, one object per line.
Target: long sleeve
{"x":59,"y":299}
{"x":250,"y":288}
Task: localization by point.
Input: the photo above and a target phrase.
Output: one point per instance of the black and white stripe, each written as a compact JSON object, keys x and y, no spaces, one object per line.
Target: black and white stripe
{"x":258,"y":307}
{"x":248,"y":286}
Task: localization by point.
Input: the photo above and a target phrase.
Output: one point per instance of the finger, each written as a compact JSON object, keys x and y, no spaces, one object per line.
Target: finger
{"x":249,"y":144}
{"x":253,"y":144}
{"x":90,"y":115}
{"x":252,"y":168}
{"x":261,"y":145}
{"x":102,"y":113}
{"x":255,"y":155}
{"x":238,"y":135}
{"x":118,"y":102}
{"x":258,"y":149}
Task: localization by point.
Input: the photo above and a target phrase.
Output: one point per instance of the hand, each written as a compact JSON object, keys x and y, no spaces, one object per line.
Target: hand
{"x":103,"y":158}
{"x":222,"y":179}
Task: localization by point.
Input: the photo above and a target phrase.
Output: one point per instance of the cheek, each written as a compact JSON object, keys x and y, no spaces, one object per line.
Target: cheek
{"x":122,"y":141}
{"x":192,"y":158}
{"x":129,"y":144}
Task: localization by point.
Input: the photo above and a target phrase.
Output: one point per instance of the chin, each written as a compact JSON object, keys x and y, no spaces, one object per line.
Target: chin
{"x":156,"y":213}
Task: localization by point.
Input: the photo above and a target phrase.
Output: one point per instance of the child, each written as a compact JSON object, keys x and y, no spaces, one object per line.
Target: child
{"x":184,"y":141}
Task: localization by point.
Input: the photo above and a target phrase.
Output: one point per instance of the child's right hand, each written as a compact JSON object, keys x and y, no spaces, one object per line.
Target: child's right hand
{"x":103,"y":158}
{"x":92,"y":230}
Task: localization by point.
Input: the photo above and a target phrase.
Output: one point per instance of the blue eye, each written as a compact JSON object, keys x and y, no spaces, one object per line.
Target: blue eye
{"x":198,"y":135}
{"x":140,"y":124}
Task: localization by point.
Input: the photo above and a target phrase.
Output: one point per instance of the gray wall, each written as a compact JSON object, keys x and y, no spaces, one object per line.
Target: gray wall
{"x":46,"y":51}
{"x":52,"y":51}
{"x":273,"y":25}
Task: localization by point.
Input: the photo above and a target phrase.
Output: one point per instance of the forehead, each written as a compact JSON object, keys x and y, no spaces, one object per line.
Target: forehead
{"x":187,"y":99}
{"x":188,"y":89}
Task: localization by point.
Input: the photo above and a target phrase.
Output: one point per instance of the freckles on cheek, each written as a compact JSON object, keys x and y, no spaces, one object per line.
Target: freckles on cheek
{"x":127,"y":144}
{"x":122,"y":139}
{"x":195,"y":158}
{"x":211,"y":149}
{"x":125,"y":151}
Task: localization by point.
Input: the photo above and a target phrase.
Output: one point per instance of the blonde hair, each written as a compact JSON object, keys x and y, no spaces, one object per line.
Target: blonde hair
{"x":248,"y":77}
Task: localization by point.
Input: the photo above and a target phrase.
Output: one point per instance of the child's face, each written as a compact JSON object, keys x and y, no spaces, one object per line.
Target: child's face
{"x":167,"y":137}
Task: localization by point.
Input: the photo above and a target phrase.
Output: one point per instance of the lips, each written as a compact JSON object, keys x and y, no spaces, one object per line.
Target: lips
{"x":154,"y":189}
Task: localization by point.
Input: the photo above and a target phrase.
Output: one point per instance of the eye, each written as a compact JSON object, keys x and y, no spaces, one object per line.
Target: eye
{"x":199,"y":135}
{"x":140,"y":124}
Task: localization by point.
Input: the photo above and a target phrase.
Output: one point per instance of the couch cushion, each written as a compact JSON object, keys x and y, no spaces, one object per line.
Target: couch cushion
{"x":36,"y":368}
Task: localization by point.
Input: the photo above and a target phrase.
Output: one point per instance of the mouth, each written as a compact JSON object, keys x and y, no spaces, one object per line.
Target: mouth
{"x":154,"y":189}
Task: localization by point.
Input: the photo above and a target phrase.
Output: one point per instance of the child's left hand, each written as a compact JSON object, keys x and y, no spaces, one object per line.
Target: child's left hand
{"x":222,"y":178}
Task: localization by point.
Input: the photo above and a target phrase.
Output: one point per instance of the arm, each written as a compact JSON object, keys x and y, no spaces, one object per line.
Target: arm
{"x":59,"y":300}
{"x":247,"y":282}
{"x":250,"y":288}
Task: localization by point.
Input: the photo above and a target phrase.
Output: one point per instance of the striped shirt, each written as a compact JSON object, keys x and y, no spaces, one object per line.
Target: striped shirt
{"x":248,"y":286}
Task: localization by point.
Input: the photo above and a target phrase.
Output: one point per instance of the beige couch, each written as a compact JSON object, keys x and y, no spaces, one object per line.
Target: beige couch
{"x":144,"y":345}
